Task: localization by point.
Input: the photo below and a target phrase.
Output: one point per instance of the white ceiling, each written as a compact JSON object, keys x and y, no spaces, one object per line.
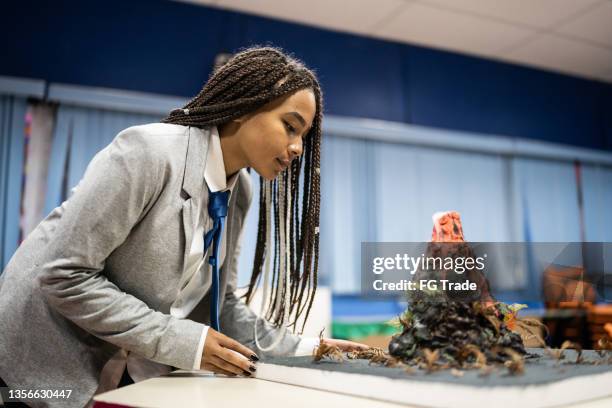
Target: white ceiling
{"x":568,"y":36}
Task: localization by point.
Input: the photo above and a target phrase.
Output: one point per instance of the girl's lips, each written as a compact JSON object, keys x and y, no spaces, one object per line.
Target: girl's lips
{"x":283,"y":165}
{"x":279,"y":166}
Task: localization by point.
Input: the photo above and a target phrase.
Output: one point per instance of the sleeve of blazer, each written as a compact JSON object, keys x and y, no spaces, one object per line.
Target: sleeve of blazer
{"x":237,"y":319}
{"x":120,"y":185}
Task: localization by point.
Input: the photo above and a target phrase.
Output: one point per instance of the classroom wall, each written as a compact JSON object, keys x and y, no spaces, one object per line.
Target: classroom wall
{"x":168,"y":48}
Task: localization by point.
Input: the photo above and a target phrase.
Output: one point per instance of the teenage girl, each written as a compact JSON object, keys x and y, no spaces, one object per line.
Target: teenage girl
{"x":141,"y":261}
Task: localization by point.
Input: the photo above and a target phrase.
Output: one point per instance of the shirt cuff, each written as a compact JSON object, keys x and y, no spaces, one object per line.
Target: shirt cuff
{"x":198,"y":357}
{"x":306,"y":346}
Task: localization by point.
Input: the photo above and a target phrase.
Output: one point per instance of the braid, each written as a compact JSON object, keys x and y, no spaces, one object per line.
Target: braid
{"x":276,"y":268}
{"x":248,"y":81}
{"x":261,"y":242}
{"x":316,"y":152}
{"x":294,"y":229}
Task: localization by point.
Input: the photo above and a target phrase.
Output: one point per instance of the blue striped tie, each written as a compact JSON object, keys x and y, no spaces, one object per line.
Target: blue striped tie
{"x":217,"y":209}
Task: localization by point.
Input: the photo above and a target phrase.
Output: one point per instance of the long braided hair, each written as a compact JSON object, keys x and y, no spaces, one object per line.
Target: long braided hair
{"x":248,"y":81}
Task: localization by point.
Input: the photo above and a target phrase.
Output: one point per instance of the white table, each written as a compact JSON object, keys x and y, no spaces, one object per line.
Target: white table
{"x":200,"y":389}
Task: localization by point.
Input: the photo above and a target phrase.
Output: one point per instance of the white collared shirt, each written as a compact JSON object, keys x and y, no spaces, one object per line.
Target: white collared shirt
{"x":197,"y":261}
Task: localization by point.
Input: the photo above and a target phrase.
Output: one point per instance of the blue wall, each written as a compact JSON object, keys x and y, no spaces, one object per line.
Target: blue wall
{"x":168,"y":47}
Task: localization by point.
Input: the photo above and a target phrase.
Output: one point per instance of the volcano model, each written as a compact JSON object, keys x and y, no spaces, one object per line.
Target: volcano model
{"x":445,"y":328}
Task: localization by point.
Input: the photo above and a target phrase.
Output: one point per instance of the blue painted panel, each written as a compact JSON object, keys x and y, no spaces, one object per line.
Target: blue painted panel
{"x":360,"y":76}
{"x":606,"y":114}
{"x":460,"y":92}
{"x":168,"y":47}
{"x":154,"y":46}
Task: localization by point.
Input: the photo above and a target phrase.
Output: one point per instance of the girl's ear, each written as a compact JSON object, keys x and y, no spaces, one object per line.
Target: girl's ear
{"x":233,"y":125}
{"x":243,"y":118}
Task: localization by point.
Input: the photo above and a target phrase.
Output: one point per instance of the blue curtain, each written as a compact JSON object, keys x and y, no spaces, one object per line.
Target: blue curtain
{"x":597,"y":190}
{"x":370,"y":191}
{"x":413,"y":183}
{"x":79,"y":134}
{"x":12,"y":123}
{"x":375,"y":191}
{"x":551,"y":199}
{"x":347,"y":208}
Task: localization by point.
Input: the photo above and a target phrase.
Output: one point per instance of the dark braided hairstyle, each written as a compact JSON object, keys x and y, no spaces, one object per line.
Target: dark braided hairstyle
{"x":247,"y":82}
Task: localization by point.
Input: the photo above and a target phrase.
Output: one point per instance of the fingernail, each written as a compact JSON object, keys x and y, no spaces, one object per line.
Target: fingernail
{"x":254,"y":358}
{"x":253,"y":369}
{"x":247,"y":373}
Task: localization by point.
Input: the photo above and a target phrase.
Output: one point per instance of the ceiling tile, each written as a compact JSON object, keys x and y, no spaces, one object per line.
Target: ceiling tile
{"x":354,"y":15}
{"x":418,"y":23}
{"x":564,"y":55}
{"x":535,"y":13}
{"x":595,"y":26}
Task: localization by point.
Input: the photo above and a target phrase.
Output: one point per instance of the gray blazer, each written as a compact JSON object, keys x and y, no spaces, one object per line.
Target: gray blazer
{"x":100,"y":272}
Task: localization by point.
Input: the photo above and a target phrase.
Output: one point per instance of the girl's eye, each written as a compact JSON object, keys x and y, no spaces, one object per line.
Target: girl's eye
{"x":289,"y":128}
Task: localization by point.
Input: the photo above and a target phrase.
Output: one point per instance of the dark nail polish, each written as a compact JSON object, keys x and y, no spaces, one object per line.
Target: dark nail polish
{"x":253,"y":369}
{"x":254,"y":358}
{"x":247,"y":373}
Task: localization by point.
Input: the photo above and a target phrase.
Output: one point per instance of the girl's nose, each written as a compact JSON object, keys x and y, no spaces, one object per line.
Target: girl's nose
{"x":295,"y":149}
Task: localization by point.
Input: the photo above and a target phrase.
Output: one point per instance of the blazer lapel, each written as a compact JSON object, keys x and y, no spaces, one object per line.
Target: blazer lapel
{"x":188,"y":215}
{"x":193,"y":182}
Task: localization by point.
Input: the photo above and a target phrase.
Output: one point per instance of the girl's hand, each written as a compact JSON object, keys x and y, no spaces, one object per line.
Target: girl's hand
{"x":346,"y":345}
{"x":225,"y":355}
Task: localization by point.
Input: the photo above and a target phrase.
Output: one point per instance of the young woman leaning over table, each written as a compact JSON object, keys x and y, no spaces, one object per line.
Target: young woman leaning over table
{"x":134,"y":275}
